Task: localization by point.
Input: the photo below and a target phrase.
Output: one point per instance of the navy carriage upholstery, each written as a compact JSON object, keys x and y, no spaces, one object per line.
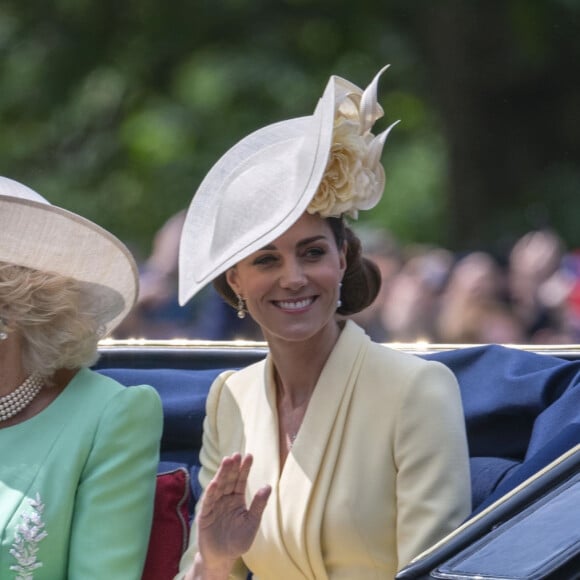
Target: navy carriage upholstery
{"x":522,"y":408}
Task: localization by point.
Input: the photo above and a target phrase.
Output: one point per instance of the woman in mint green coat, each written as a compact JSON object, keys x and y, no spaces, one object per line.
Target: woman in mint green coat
{"x":78,"y":451}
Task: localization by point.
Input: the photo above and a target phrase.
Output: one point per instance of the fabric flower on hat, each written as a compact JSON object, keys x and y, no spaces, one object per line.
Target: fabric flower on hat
{"x":354,"y":178}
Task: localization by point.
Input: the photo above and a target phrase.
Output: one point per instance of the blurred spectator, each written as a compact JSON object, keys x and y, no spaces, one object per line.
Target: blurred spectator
{"x":559,"y":296}
{"x":476,"y":288}
{"x":534,"y":259}
{"x":485,"y":321}
{"x":411,"y":305}
{"x":382,"y":248}
{"x":572,"y":268}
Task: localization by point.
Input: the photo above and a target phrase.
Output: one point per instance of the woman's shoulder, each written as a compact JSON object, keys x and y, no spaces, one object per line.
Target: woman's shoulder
{"x":235,"y":388}
{"x":388,"y":356}
{"x":402,"y":369}
{"x":378,"y":356}
{"x":235,"y":379}
{"x":112,"y":403}
{"x":101,"y":390}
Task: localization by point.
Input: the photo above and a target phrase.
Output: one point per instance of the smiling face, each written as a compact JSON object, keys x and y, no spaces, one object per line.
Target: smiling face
{"x":291,"y":286}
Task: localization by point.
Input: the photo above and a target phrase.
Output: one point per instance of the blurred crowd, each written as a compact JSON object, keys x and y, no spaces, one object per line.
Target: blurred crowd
{"x":530,"y":295}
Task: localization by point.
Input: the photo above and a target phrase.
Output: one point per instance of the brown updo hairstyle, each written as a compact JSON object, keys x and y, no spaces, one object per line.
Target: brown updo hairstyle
{"x":361,"y":282}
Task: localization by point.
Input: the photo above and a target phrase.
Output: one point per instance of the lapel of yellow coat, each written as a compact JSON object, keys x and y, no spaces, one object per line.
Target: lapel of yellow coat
{"x":290,"y":531}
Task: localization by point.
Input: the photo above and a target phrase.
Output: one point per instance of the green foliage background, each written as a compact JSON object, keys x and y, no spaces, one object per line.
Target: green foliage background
{"x":116,"y":109}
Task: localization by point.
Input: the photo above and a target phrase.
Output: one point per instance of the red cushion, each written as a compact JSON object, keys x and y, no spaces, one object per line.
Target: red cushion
{"x":170,"y":529}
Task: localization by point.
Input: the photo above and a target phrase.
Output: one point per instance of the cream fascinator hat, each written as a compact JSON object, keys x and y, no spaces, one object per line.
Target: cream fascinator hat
{"x":327,"y":163}
{"x":38,"y":235}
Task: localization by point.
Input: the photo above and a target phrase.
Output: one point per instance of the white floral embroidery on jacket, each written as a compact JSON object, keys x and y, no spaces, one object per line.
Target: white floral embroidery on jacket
{"x":28,"y":535}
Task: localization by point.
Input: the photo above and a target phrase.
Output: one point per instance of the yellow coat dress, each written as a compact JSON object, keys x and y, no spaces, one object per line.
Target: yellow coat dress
{"x":378,"y":472}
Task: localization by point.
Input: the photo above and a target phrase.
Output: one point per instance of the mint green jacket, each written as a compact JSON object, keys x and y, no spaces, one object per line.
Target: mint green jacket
{"x":77,"y":483}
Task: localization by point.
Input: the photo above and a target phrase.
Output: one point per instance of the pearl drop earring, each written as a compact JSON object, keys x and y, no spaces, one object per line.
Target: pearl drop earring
{"x":241,"y":307}
{"x":339,"y":301}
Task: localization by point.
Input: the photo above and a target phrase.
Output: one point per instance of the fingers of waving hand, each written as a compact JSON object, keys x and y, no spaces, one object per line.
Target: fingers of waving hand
{"x":226,"y":491}
{"x":262,"y":495}
{"x":230,"y":471}
{"x":226,"y":527}
{"x":259,"y":502}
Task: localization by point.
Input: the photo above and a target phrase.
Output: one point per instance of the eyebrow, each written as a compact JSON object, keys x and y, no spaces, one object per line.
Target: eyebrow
{"x":301,"y":243}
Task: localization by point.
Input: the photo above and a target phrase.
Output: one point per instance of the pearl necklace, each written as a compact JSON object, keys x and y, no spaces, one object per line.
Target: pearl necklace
{"x":21,"y":397}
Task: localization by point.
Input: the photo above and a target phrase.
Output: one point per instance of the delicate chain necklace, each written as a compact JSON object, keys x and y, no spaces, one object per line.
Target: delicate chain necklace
{"x":292,"y":438}
{"x":21,"y":397}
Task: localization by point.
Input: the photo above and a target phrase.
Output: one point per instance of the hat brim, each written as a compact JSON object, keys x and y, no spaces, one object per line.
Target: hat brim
{"x":48,"y":238}
{"x":253,"y":194}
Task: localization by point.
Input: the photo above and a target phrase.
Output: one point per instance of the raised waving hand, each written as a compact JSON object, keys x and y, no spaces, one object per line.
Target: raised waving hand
{"x":226,"y":527}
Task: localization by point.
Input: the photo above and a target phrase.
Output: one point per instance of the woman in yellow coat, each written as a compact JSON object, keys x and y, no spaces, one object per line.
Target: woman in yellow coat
{"x":335,"y":457}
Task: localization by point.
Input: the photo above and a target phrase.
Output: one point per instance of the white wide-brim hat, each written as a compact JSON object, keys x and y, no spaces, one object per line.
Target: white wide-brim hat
{"x":263,"y":184}
{"x":36,"y":234}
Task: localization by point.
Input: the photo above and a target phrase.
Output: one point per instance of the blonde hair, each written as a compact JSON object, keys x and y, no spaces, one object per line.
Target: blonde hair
{"x":47,"y":310}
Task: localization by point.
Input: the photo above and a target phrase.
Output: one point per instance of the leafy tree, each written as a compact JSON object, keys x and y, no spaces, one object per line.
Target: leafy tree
{"x":118,"y":109}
